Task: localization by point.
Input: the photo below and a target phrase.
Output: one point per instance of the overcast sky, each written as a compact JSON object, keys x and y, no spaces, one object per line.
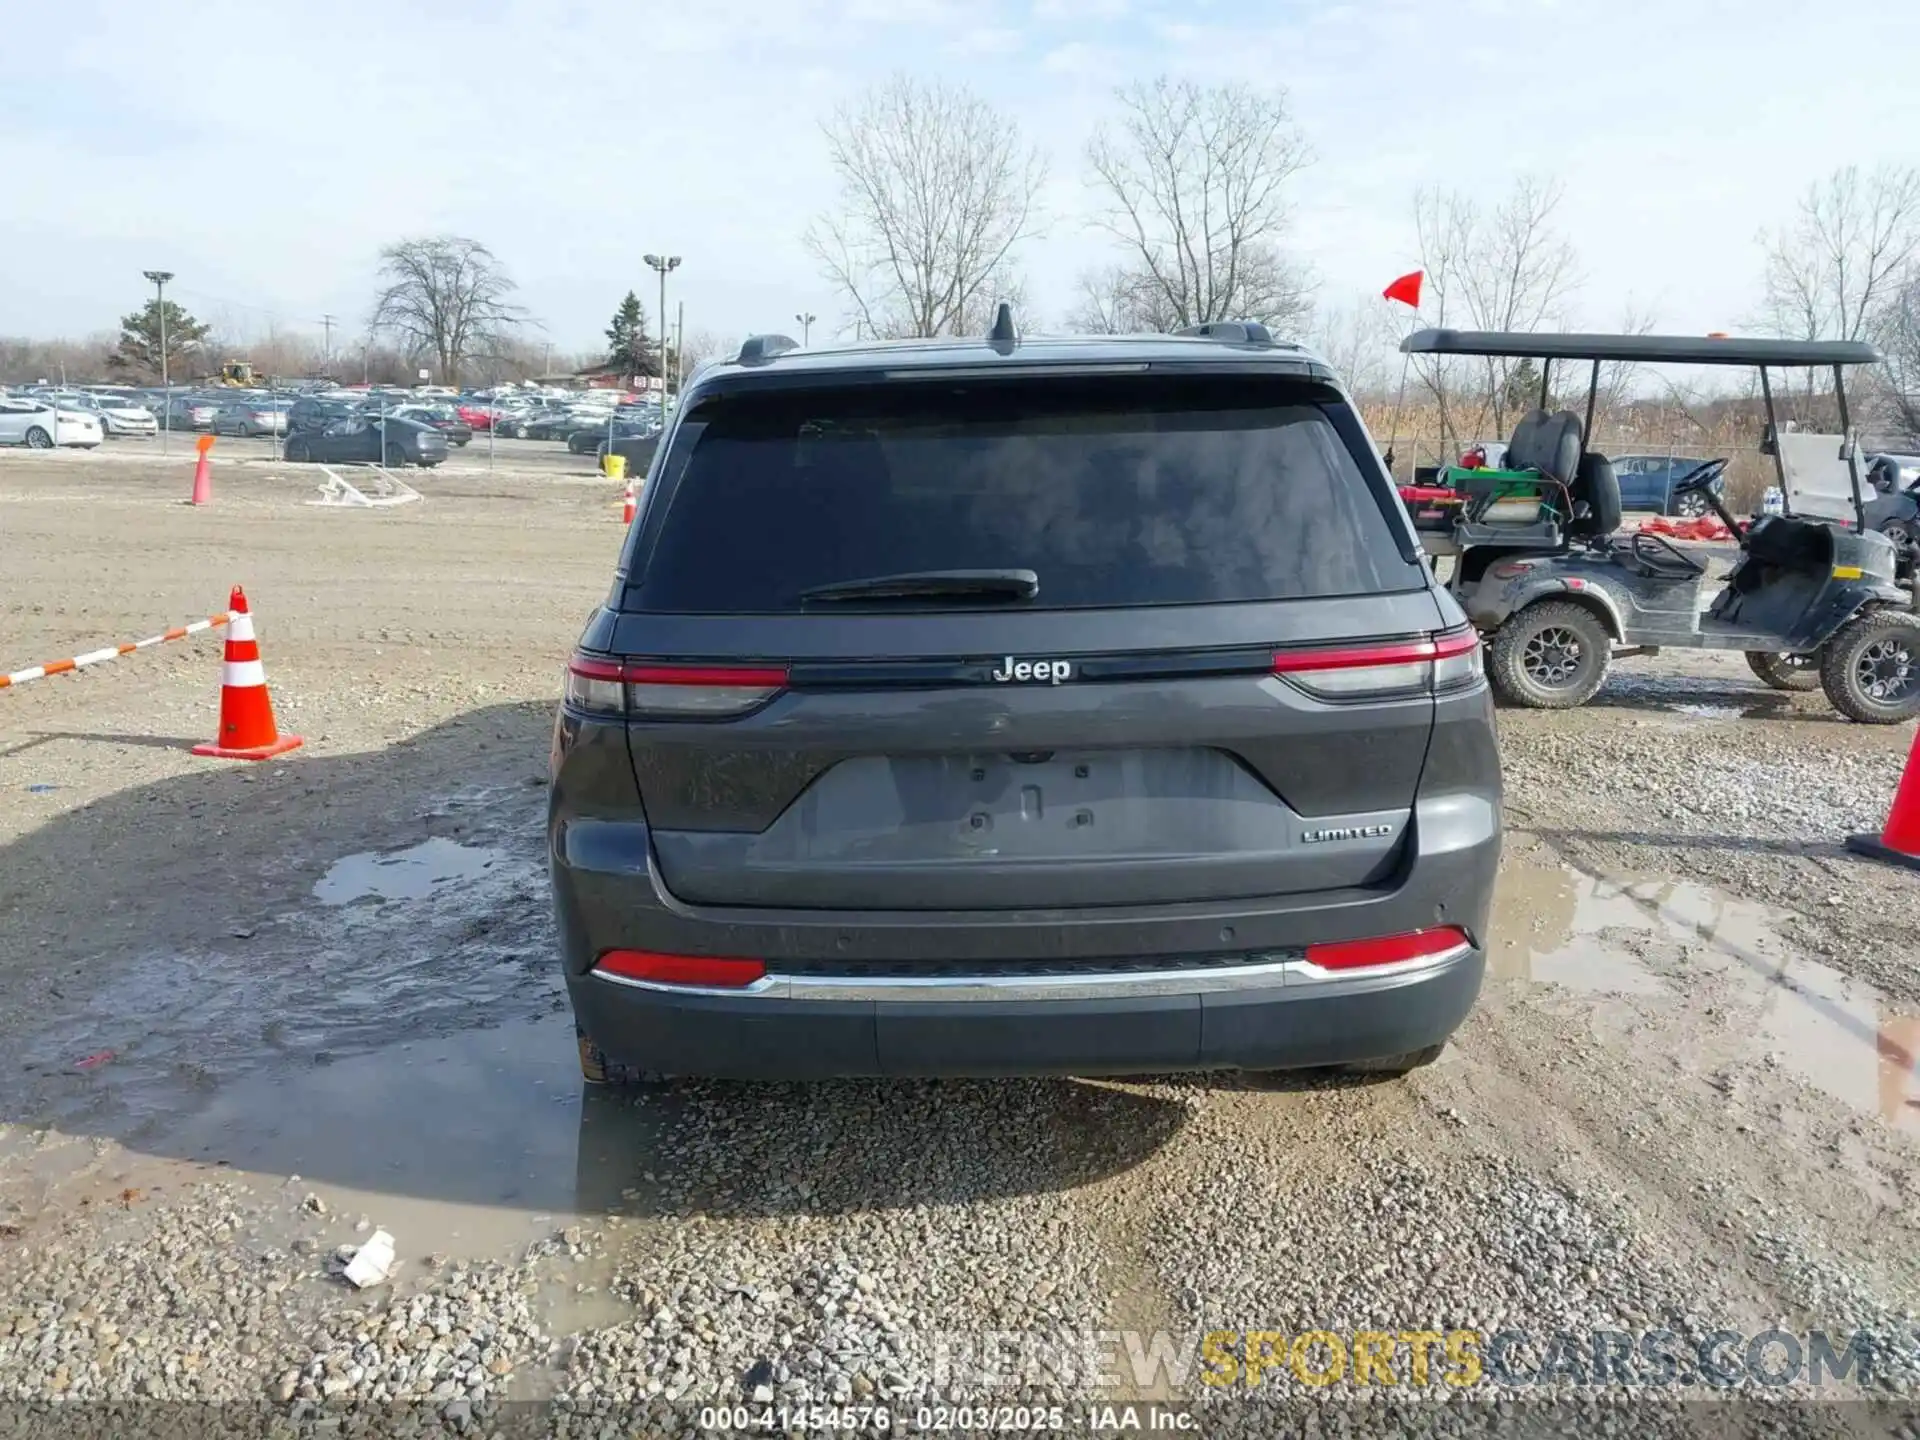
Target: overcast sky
{"x":264,"y":152}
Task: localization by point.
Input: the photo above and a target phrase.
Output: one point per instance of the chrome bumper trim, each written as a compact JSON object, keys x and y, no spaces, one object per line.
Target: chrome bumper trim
{"x":1091,"y":985}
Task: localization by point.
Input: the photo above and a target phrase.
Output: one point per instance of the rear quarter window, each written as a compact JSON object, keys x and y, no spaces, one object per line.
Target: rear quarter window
{"x":1139,"y":493}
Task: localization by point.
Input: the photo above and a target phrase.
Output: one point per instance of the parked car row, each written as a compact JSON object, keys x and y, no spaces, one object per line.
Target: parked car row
{"x":587,"y":422}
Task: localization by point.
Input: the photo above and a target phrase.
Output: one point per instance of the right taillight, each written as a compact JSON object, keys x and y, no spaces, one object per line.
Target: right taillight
{"x":705,"y":972}
{"x":1458,"y":660}
{"x":687,"y":692}
{"x":1449,"y":661}
{"x":1388,"y":949}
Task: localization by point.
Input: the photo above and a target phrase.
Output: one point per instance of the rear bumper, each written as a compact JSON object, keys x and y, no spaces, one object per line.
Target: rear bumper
{"x":608,"y":895}
{"x":1275,"y":1026}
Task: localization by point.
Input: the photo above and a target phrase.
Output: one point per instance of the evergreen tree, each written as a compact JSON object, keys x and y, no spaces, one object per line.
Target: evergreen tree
{"x":627,"y":343}
{"x":139,"y":349}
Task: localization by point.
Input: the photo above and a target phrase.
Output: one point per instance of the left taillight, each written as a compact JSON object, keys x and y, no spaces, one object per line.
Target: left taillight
{"x":1448,"y":661}
{"x":687,"y":692}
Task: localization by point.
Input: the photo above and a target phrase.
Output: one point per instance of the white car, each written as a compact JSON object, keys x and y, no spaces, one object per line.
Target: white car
{"x":39,"y":426}
{"x":117,"y":416}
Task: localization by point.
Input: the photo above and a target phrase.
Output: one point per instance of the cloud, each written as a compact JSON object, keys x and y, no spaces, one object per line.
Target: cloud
{"x":988,"y":40}
{"x":1054,"y":12}
{"x":1079,"y":58}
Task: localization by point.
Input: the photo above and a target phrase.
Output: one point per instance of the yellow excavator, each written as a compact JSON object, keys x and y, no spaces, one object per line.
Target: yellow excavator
{"x":237,"y":373}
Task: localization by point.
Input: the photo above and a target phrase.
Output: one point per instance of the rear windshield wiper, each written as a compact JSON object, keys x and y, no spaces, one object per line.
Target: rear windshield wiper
{"x":931,"y":585}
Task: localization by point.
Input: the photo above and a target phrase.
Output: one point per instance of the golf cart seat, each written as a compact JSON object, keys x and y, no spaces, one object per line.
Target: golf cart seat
{"x":1528,"y":503}
{"x":1596,"y":498}
{"x":1547,"y":443}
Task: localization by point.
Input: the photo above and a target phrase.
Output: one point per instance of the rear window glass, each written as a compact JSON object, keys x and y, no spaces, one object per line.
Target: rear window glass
{"x":1113,"y":493}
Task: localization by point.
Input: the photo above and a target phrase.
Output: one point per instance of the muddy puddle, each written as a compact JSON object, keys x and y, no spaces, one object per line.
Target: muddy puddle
{"x":1710,"y":712}
{"x":473,"y":1145}
{"x":410,"y":874}
{"x":1668,"y":944}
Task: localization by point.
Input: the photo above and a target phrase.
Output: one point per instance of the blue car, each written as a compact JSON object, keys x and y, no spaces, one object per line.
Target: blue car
{"x":1646,"y":483}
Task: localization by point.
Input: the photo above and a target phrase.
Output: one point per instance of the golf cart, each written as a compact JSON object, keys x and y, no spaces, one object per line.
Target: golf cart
{"x":1813,"y":602}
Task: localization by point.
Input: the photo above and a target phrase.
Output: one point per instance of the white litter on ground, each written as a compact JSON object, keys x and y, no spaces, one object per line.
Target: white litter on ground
{"x":372,"y":1263}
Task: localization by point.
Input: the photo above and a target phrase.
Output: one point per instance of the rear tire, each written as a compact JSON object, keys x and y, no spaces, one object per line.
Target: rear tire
{"x":1553,"y":655}
{"x":1799,"y":673}
{"x":1871,"y":672}
{"x":597,"y":1069}
{"x":1396,"y":1064}
{"x":38,"y":439}
{"x":1690,"y":506}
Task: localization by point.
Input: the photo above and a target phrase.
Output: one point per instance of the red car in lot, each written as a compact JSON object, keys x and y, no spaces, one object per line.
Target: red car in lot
{"x":480,"y":417}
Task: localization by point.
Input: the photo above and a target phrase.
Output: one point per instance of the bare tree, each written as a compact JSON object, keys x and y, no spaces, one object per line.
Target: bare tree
{"x":1359,"y":340}
{"x":703,"y":345}
{"x":1844,"y":268}
{"x":1900,"y":338}
{"x":445,"y":297}
{"x":1196,"y":180}
{"x":1114,"y":300}
{"x":1613,"y":387}
{"x":936,"y":192}
{"x":1504,"y":269}
{"x":24,"y":361}
{"x":1831,"y":271}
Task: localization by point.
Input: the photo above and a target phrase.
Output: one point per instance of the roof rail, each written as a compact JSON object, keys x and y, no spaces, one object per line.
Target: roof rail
{"x":1003,"y":336}
{"x":759,"y":349}
{"x":1234,"y":332}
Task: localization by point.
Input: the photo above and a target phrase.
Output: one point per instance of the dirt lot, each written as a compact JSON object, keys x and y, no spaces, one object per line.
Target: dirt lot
{"x":249,"y":1013}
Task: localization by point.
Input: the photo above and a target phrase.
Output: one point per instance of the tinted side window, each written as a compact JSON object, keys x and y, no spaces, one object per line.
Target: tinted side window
{"x":1133,"y":492}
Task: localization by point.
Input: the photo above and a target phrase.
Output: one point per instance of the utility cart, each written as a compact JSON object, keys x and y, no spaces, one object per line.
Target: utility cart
{"x":1542,"y":568}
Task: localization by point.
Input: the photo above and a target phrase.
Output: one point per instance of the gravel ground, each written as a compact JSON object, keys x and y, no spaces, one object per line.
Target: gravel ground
{"x":253,"y":1014}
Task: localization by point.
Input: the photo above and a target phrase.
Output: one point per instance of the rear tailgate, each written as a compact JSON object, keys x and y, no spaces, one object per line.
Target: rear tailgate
{"x":895,"y":754}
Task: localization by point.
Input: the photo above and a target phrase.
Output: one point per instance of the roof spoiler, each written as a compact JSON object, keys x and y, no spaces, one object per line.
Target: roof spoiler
{"x":759,"y":349}
{"x":1233,"y":332}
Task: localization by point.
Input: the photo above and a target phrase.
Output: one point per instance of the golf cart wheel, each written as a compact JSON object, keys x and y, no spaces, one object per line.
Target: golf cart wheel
{"x":1787,"y":672}
{"x":1872,"y":668}
{"x":1395,"y":1064}
{"x":597,"y":1069}
{"x":1551,"y":656}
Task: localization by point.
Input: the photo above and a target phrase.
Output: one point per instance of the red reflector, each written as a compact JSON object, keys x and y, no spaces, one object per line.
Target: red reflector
{"x":680,"y":969}
{"x":1388,"y":950}
{"x":758,"y":677}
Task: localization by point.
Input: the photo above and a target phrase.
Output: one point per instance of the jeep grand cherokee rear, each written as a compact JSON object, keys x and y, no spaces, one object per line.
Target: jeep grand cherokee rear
{"x":1076,"y":707}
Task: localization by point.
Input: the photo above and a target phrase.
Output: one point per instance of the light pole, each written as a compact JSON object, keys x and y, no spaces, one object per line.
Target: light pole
{"x":806,"y":325}
{"x":159,"y":279}
{"x":662,"y":264}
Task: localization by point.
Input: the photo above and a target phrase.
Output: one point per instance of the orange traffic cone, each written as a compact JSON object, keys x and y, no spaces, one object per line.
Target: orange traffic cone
{"x":202,"y":476}
{"x":627,"y":506}
{"x":246,"y":710}
{"x":1899,"y":843}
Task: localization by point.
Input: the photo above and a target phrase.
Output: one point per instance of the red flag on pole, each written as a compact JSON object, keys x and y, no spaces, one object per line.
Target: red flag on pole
{"x":1406,"y":289}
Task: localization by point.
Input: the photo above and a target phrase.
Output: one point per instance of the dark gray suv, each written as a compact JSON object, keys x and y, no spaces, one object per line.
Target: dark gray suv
{"x":982,"y":707}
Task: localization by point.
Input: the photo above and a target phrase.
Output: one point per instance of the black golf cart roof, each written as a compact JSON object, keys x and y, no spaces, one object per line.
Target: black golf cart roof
{"x":1653,"y":349}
